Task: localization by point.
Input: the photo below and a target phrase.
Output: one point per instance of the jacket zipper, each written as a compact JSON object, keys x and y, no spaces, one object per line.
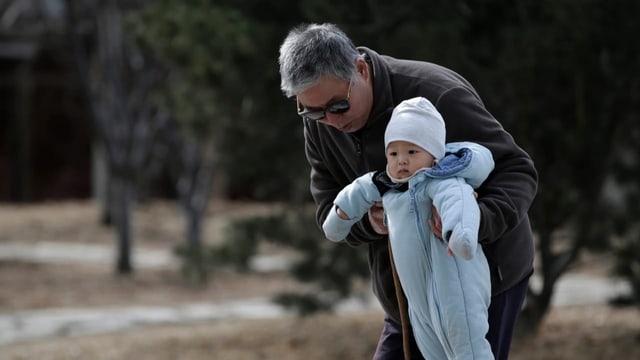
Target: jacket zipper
{"x":358,"y":144}
{"x":430,"y":248}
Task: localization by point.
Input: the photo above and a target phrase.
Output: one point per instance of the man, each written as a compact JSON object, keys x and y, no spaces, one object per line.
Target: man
{"x":345,"y":96}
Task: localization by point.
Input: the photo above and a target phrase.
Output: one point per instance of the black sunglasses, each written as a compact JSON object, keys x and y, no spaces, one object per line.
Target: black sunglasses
{"x":339,"y":107}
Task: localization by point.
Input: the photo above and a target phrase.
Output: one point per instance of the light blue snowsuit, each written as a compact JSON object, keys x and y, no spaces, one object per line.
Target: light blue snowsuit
{"x":448,"y":297}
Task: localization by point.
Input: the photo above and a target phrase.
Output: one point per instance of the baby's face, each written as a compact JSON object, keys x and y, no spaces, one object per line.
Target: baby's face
{"x":405,"y":158}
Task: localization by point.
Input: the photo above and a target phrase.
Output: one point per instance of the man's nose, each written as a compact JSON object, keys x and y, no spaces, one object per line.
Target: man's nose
{"x":331,"y":119}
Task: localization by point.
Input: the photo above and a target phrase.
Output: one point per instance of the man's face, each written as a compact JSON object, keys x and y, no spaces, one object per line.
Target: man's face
{"x":331,"y":96}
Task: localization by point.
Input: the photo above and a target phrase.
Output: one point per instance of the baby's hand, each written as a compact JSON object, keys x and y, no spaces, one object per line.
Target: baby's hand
{"x":343,"y":215}
{"x":461,"y":244}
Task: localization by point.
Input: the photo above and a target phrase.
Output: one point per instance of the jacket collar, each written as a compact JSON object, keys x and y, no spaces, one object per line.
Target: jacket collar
{"x":383,"y":103}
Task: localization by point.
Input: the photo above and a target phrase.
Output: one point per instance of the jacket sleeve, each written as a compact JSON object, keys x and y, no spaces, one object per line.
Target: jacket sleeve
{"x":354,"y":200}
{"x":506,"y":195}
{"x":325,"y":186}
{"x":459,"y":212}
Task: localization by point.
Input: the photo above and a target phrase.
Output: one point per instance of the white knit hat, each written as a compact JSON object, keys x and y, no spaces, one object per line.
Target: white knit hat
{"x":416,"y":120}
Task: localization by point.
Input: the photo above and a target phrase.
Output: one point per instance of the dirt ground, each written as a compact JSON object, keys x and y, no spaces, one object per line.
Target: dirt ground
{"x":570,"y":332}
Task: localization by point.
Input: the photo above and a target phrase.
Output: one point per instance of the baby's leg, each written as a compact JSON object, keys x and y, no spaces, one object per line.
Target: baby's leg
{"x":461,"y":296}
{"x":428,"y":341}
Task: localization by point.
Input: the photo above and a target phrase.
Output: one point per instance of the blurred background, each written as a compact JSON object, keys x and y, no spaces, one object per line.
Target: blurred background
{"x":151,"y":140}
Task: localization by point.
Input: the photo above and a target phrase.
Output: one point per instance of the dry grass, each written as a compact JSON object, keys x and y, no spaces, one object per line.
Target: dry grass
{"x":593,"y":332}
{"x":575,"y":332}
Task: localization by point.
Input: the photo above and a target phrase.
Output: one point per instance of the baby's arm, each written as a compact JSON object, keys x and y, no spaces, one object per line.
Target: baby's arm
{"x":460,"y":214}
{"x":467,"y":165}
{"x":352,"y":202}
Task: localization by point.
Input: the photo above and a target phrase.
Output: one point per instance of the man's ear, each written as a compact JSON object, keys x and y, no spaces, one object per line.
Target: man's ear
{"x":362,"y":68}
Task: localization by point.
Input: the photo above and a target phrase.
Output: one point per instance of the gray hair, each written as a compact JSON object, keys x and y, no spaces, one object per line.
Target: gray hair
{"x":311,"y":52}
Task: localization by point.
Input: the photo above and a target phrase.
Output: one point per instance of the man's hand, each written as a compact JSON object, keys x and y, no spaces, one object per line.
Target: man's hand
{"x":435,"y":223}
{"x":376,"y":218}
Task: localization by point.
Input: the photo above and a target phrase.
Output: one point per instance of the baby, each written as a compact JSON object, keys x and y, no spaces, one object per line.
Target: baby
{"x":447,"y":283}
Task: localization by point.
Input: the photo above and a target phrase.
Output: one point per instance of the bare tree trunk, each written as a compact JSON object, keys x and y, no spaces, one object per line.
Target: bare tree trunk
{"x":124,"y":191}
{"x":195,"y":253}
{"x":194,"y":187}
{"x":554,"y":265}
{"x":118,"y":83}
{"x":101,"y":177}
